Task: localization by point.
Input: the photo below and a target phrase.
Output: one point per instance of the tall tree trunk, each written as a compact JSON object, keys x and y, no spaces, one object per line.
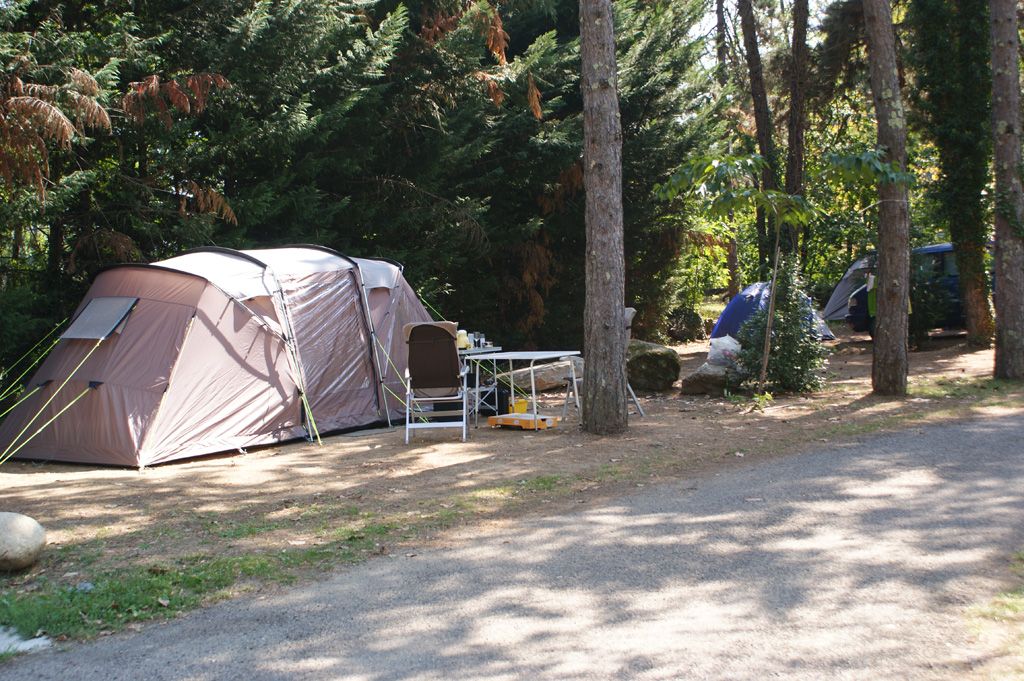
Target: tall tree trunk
{"x":764,"y":245}
{"x":889,"y":366}
{"x":17,"y":244}
{"x":762,"y":113}
{"x":970,"y":174}
{"x":732,"y":261}
{"x":721,"y":49}
{"x":604,"y":332}
{"x":1006,"y":127}
{"x":797,"y":110}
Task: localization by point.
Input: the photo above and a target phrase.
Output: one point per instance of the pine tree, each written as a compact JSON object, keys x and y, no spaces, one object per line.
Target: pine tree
{"x":890,"y":364}
{"x":1009,"y":193}
{"x":604,"y":343}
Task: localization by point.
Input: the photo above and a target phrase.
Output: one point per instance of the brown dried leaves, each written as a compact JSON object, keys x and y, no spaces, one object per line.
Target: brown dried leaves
{"x":152,"y":94}
{"x":205,"y":200}
{"x":35,"y":115}
{"x":533,"y":97}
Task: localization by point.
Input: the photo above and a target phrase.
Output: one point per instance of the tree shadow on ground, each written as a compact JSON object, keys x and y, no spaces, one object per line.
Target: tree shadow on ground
{"x":855,"y":565}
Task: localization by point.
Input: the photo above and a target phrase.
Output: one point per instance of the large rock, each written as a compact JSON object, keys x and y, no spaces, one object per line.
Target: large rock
{"x":549,"y":376}
{"x":21,"y":541}
{"x":709,"y":379}
{"x":651,"y":366}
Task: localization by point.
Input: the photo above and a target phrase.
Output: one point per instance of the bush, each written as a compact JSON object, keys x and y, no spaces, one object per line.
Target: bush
{"x":685,"y":325}
{"x":796,"y":356}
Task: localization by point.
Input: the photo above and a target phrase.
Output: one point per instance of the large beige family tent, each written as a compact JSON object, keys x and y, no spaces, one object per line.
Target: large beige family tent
{"x":216,"y":350}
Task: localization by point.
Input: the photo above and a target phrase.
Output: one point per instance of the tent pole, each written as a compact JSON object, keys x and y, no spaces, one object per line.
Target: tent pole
{"x":293,"y":354}
{"x":392,"y":303}
{"x":379,"y":392}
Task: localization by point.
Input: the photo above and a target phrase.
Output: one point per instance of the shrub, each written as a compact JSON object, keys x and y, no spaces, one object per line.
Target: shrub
{"x":796,"y":356}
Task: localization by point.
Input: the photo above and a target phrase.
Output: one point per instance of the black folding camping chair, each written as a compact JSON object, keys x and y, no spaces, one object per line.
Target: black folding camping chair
{"x":435,"y":380}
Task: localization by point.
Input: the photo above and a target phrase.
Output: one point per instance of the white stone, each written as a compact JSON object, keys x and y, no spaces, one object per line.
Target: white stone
{"x":10,"y":642}
{"x":21,"y":541}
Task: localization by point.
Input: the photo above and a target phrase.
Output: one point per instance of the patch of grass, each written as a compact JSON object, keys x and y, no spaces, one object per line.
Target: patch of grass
{"x":496,"y":493}
{"x":1003,"y":619}
{"x":961,"y":387}
{"x":250,"y":529}
{"x":83,"y":555}
{"x":137,"y":594}
{"x":1006,"y":606}
{"x":447,"y":516}
{"x":711,"y":308}
{"x":541,"y":483}
{"x":7,"y":655}
{"x":379,"y":529}
{"x":608,"y":472}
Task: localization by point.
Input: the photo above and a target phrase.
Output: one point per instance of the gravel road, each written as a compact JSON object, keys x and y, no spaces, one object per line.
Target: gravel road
{"x":853,"y":562}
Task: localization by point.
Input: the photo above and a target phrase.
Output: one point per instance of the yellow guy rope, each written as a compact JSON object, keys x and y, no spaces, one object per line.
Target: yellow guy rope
{"x":398,"y":373}
{"x":7,"y":452}
{"x":13,"y":387}
{"x":40,"y":342}
{"x":6,"y":455}
{"x":309,"y":416}
{"x":24,"y":397}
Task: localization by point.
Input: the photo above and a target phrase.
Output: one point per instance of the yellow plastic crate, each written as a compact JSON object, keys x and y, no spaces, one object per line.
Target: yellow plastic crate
{"x":524,"y":421}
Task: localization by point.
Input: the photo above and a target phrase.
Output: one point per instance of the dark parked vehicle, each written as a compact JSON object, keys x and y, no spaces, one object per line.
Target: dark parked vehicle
{"x":939,"y":262}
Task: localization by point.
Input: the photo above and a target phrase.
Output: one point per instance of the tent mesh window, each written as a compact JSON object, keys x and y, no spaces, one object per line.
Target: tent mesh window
{"x":100,"y":318}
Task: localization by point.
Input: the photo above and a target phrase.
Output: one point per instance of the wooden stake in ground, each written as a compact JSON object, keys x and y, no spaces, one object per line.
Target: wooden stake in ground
{"x":1006,"y":124}
{"x":604,"y":340}
{"x":889,"y":368}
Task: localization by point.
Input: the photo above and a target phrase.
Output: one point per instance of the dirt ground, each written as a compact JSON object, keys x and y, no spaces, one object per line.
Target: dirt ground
{"x":304,"y":495}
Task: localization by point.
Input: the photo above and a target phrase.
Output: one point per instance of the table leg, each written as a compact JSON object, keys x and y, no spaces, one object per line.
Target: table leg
{"x":533,"y":392}
{"x":575,"y":391}
{"x":476,"y":398}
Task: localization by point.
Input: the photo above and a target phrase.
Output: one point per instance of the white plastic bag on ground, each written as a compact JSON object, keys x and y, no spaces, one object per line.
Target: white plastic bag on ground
{"x":724,"y":351}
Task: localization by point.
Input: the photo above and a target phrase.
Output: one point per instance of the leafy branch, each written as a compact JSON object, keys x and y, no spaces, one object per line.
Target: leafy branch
{"x":867,"y":168}
{"x":725,"y":185}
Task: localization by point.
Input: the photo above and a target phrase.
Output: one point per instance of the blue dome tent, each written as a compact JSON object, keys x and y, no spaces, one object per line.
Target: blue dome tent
{"x":749,"y":300}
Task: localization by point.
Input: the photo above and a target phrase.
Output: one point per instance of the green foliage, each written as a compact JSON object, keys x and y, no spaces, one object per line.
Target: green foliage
{"x":951,"y":107}
{"x":445,"y":137}
{"x":762,"y":400}
{"x":724,"y":185}
{"x":796,"y":356}
{"x":866,"y":167}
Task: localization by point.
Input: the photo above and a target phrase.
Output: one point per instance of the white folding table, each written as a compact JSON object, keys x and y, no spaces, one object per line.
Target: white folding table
{"x":531,"y":356}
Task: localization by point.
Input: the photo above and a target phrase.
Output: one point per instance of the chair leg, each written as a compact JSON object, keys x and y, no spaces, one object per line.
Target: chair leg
{"x":565,"y":405}
{"x":635,"y":400}
{"x":571,"y":388}
{"x":465,"y":402}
